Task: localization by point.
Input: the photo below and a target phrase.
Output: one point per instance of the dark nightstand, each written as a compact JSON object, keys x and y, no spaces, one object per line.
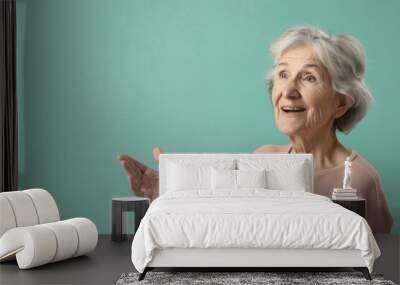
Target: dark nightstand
{"x":120,"y":206}
{"x":358,"y":206}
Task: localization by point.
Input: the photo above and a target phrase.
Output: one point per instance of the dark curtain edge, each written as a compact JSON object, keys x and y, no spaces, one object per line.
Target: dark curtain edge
{"x":8,"y":100}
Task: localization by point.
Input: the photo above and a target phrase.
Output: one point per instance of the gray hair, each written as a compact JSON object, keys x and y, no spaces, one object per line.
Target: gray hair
{"x":344,"y":58}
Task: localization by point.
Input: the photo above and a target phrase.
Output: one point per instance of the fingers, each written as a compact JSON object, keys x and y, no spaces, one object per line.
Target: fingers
{"x":131,"y":169}
{"x":156,"y":153}
{"x":131,"y":162}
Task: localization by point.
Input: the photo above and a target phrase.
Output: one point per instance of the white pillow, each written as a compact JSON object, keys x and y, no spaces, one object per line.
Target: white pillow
{"x":183,"y":177}
{"x":296,"y":179}
{"x":223,"y":179}
{"x":187,"y":174}
{"x":251,"y":178}
{"x":236,"y":179}
{"x":281,"y":174}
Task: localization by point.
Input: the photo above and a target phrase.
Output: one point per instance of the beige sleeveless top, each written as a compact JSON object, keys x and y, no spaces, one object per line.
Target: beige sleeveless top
{"x":368,"y":184}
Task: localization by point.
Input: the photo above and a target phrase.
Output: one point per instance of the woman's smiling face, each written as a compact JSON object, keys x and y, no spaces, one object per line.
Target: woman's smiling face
{"x":302,"y":96}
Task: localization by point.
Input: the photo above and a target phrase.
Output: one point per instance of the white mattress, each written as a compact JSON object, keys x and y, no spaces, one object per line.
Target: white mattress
{"x":250,"y":218}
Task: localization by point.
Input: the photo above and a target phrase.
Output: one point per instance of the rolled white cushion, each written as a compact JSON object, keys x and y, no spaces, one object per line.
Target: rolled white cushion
{"x":33,"y":245}
{"x":46,"y":207}
{"x":67,"y":239}
{"x":23,"y":208}
{"x":87,"y":233}
{"x":41,"y":244}
{"x":26,"y":208}
{"x":7,"y":218}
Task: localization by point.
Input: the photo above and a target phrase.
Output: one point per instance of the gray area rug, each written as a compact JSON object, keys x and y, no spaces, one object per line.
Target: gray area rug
{"x":225,"y":278}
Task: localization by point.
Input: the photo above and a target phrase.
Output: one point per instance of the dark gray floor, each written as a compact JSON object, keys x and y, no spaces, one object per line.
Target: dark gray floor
{"x":389,"y":262}
{"x":103,"y":266}
{"x":111,"y":259}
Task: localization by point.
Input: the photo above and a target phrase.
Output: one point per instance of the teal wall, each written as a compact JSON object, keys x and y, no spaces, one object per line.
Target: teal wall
{"x":97,"y":78}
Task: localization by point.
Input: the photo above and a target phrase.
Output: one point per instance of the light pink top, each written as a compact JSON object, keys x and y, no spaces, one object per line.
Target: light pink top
{"x":364,"y":178}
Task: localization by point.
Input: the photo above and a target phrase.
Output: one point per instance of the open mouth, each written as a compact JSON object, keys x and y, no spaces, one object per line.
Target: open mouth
{"x":292,"y":109}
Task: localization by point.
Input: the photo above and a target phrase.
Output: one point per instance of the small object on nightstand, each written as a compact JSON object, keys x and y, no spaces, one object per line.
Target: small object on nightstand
{"x":120,"y":206}
{"x":346,"y":192}
{"x":358,"y":206}
{"x":347,"y":174}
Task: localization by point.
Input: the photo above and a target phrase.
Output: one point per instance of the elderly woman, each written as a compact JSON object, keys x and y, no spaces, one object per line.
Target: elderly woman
{"x":317,"y":88}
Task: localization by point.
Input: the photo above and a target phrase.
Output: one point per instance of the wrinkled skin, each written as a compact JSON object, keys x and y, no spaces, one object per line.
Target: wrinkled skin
{"x":300,"y":79}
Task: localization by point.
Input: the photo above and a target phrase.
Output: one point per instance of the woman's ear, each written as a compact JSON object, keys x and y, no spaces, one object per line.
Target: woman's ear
{"x":345,"y":103}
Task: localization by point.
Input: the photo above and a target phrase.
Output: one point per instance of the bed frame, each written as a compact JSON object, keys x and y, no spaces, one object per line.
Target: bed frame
{"x":244,"y":259}
{"x":248,"y":259}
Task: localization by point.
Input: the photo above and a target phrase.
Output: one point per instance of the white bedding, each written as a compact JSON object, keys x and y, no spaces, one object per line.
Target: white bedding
{"x":250,"y":218}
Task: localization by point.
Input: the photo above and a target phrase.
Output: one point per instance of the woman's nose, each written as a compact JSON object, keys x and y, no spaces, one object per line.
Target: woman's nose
{"x":291,"y":93}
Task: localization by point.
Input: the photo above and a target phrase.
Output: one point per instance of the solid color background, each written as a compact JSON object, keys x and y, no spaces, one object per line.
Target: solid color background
{"x":97,"y":78}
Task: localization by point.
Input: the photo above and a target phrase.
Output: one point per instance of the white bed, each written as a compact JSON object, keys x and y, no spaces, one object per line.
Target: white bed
{"x":249,"y":227}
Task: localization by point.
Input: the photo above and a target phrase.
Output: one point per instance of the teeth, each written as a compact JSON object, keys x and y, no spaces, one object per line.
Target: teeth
{"x":290,"y":108}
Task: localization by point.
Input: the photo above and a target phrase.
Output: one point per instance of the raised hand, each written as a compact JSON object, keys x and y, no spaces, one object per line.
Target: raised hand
{"x":143,"y":180}
{"x":135,"y":171}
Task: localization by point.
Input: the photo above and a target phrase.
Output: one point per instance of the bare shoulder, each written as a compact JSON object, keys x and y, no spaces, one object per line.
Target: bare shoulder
{"x":365,"y":167}
{"x":269,"y":148}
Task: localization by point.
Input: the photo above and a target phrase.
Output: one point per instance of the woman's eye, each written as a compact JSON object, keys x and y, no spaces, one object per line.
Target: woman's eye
{"x":310,"y":78}
{"x":282,"y":74}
